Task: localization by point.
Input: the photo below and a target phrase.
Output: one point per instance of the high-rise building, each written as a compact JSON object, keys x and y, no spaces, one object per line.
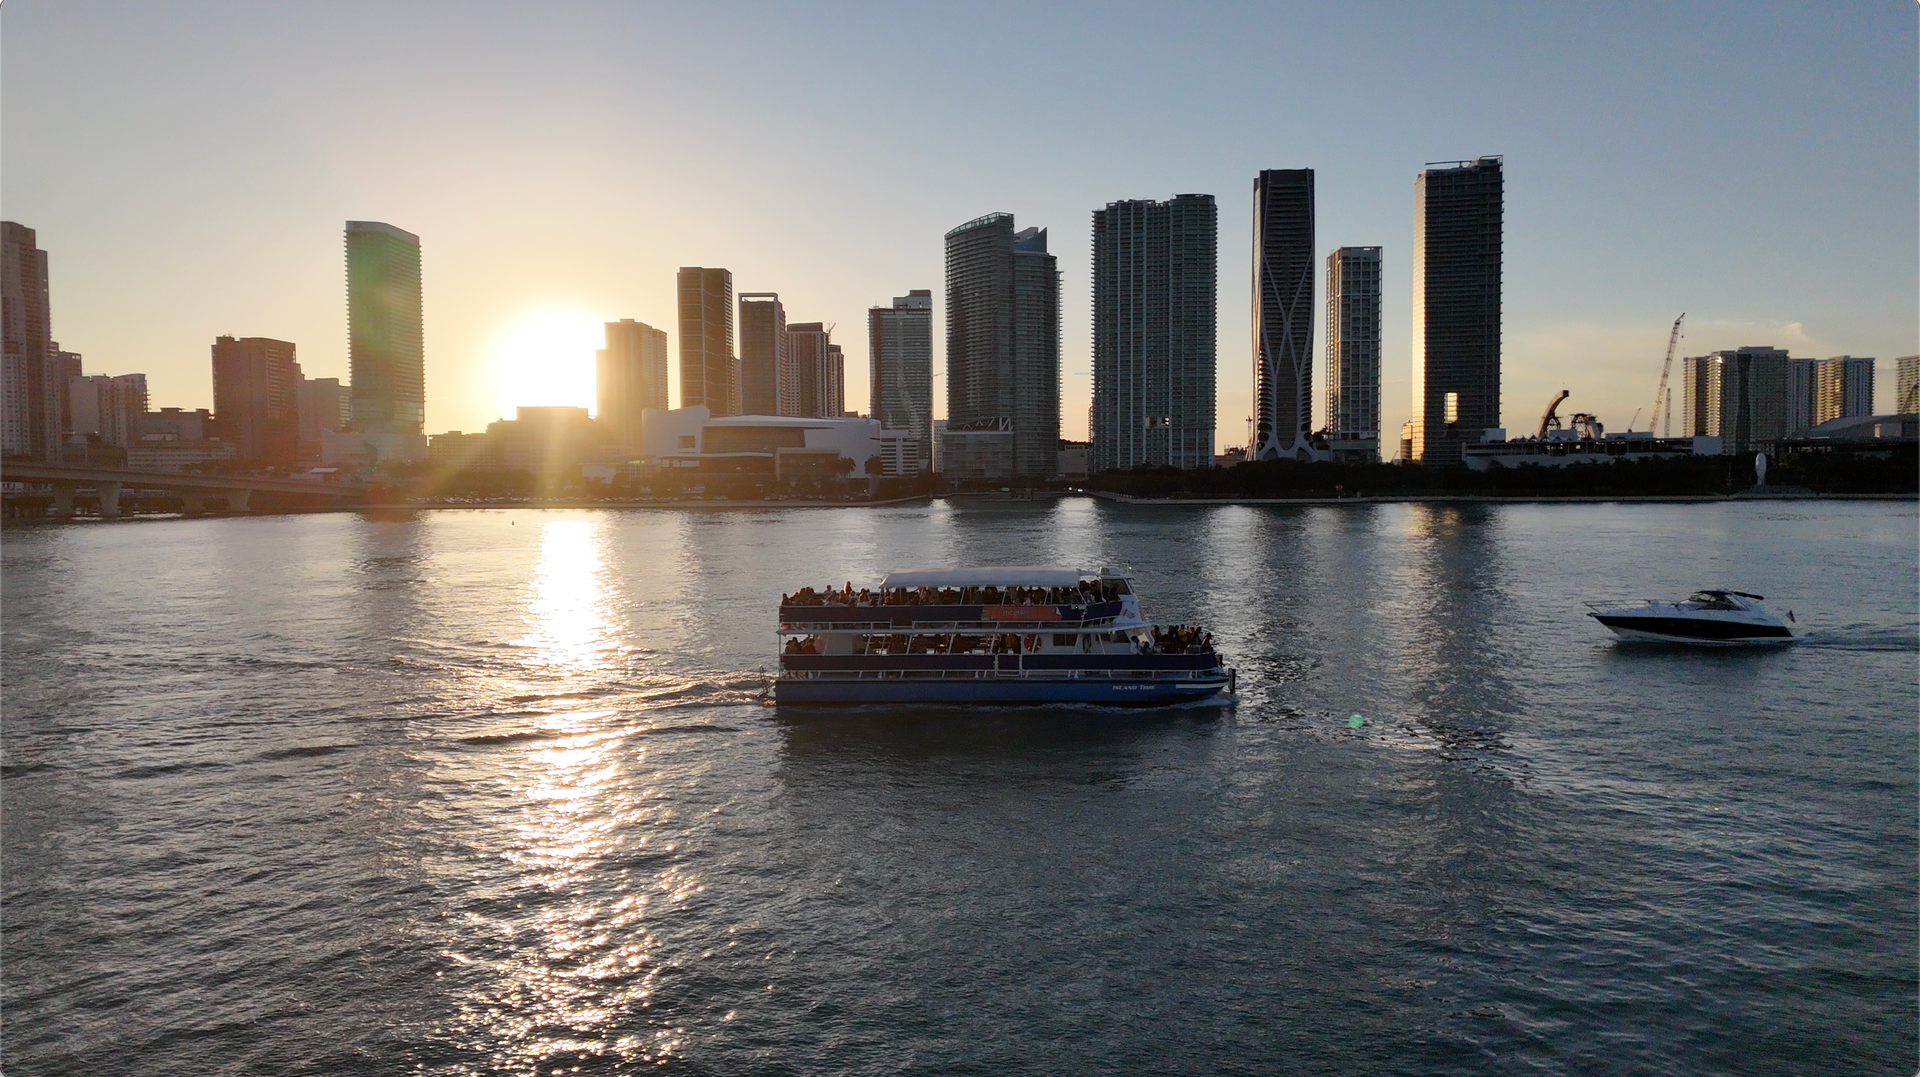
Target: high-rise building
{"x":1283,"y":258}
{"x":631,"y":376}
{"x":1803,"y":391}
{"x":32,"y":418}
{"x":107,"y":407}
{"x":765,"y":370}
{"x":1741,"y":396}
{"x":900,"y":366}
{"x":1003,"y":348}
{"x":1353,"y":354}
{"x":1155,"y":272}
{"x":256,"y":398}
{"x":834,"y":398}
{"x":326,"y":406}
{"x":810,"y":350}
{"x":1843,"y":388}
{"x":1458,"y":209}
{"x":385,"y":340}
{"x":1906,"y":384}
{"x":709,"y":370}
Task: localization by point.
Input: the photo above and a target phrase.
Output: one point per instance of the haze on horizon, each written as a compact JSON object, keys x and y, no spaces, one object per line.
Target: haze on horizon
{"x":189,"y":169}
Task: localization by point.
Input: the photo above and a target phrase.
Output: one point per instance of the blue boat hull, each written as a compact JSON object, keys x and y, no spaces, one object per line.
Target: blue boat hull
{"x":1009,"y":692}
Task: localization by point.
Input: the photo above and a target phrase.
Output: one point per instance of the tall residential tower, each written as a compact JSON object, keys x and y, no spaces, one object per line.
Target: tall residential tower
{"x":1155,"y":267}
{"x":631,"y":377}
{"x":32,"y":379}
{"x":1458,"y":208}
{"x":900,"y":366}
{"x":709,"y":372}
{"x":1283,"y":257}
{"x":1003,"y":351}
{"x":256,"y":398}
{"x":1353,"y":354}
{"x":767,"y":385}
{"x":384,"y":339}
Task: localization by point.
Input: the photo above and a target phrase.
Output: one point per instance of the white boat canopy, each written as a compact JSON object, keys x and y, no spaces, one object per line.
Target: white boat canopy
{"x":990,"y":576}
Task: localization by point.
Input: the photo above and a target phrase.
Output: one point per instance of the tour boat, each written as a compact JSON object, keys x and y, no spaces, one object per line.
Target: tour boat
{"x":990,"y":635}
{"x":1713,"y":618}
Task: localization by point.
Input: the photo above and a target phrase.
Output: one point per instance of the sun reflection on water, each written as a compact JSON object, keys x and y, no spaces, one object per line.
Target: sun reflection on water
{"x":573,"y":965}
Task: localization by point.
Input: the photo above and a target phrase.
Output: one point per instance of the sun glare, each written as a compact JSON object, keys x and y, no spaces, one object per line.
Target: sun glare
{"x":545,"y":357}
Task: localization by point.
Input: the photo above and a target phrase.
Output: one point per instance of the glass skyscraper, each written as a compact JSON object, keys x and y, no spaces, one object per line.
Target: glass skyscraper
{"x":1353,"y":354}
{"x":385,"y":341}
{"x":1283,"y":262}
{"x":1155,"y":270}
{"x":1458,"y":208}
{"x":1003,"y":347}
{"x":631,"y":376}
{"x":900,"y":368}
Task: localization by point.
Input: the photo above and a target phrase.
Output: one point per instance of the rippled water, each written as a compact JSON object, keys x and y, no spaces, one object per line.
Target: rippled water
{"x":467,"y":792}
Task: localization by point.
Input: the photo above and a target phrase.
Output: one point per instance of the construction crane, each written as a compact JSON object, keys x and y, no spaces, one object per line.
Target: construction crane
{"x":1666,"y":370}
{"x":1550,"y":421}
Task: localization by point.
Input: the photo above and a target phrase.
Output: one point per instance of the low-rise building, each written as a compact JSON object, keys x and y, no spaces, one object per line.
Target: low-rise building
{"x":1560,"y":448}
{"x":783,"y":447}
{"x":981,"y":450}
{"x":1073,"y":459}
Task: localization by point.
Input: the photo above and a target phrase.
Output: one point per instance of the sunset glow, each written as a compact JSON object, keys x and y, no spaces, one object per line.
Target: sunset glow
{"x":545,"y":356}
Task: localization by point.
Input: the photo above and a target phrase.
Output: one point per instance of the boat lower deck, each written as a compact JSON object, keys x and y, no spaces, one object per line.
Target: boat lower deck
{"x":1017,"y":690}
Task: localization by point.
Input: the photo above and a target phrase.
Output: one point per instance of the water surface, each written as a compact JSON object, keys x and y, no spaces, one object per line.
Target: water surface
{"x":494,"y":791}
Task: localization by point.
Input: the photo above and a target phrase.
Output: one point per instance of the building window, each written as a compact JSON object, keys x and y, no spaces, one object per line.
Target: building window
{"x":1453,"y":407}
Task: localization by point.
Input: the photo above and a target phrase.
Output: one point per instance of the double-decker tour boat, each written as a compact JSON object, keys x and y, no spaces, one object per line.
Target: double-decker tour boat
{"x":990,"y":635}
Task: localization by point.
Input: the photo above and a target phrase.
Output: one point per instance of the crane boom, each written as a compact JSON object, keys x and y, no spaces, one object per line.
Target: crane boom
{"x":1666,"y":369}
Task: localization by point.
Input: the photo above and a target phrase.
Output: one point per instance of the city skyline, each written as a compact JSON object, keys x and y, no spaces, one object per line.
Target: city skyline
{"x":1616,"y":143}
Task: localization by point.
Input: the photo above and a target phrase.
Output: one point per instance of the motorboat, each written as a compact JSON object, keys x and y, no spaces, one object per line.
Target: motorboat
{"x":1007,"y":635}
{"x":1710,"y":618}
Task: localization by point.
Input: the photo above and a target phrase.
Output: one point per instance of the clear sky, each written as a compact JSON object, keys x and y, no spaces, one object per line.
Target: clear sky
{"x":190,"y":165}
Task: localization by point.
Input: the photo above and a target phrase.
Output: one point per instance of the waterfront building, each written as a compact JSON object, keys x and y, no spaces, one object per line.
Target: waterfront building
{"x":1155,"y":271}
{"x":630,"y":377}
{"x":1003,"y":350}
{"x":1803,"y":385}
{"x":107,"y":407}
{"x":1353,"y":354}
{"x":32,"y":389}
{"x":455,"y":451}
{"x":326,"y":406}
{"x":709,"y":370}
{"x":938,"y":435}
{"x":900,"y":368}
{"x":256,"y":398}
{"x":780,"y":447}
{"x":819,"y":371}
{"x":1458,"y":209}
{"x":548,"y":443}
{"x":1741,"y":396}
{"x":385,"y":340}
{"x":1283,"y":262}
{"x":1843,"y":389}
{"x":1076,"y":459}
{"x":1906,"y":382}
{"x":768,"y":383}
{"x":171,"y":439}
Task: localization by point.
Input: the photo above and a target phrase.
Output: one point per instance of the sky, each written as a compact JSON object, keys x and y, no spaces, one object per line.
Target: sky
{"x":189,"y":167}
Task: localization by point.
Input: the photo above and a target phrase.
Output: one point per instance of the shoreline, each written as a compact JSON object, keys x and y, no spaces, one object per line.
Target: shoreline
{"x":1524,"y":499}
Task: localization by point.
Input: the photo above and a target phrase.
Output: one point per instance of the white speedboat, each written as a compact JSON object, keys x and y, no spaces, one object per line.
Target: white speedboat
{"x":1711,"y":618}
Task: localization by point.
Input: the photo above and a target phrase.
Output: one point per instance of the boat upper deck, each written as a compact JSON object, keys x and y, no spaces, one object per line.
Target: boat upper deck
{"x":1059,"y":598}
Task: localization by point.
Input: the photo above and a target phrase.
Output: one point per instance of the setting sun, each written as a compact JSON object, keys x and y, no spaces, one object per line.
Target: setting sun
{"x":545,"y":357}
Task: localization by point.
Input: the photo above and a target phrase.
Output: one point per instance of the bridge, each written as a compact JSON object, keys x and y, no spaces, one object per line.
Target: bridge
{"x":193,"y":489}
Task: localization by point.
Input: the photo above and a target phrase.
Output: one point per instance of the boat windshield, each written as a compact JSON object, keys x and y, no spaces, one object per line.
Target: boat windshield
{"x":1712,"y":600}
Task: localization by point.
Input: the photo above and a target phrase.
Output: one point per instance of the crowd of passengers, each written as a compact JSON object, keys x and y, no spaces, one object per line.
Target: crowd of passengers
{"x":1087,"y":591}
{"x":1177,"y":639}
